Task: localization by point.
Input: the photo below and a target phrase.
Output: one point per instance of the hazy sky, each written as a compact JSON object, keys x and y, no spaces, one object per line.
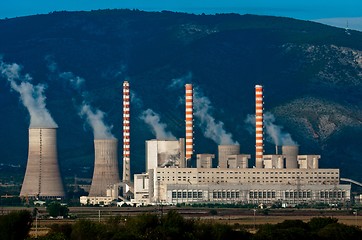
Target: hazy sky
{"x":338,"y":10}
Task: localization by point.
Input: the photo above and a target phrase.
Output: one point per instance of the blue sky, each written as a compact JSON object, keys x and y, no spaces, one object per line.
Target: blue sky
{"x":337,"y":10}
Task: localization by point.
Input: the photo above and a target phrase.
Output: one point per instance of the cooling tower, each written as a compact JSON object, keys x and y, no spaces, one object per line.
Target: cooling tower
{"x":189,"y":121}
{"x":105,"y":166}
{"x":224,"y":151}
{"x":42,"y":177}
{"x":126,"y":134}
{"x":291,"y":156}
{"x":259,"y":145}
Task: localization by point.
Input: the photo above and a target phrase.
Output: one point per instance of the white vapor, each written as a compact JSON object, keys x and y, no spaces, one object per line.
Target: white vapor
{"x":211,"y":129}
{"x":95,"y":120}
{"x":159,"y":129}
{"x":180,"y":82}
{"x":31,"y":96}
{"x":94,"y":117}
{"x":274,"y":132}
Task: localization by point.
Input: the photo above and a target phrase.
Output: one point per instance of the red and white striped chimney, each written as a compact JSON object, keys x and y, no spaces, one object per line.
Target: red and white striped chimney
{"x":259,"y":126}
{"x":126,"y":133}
{"x":189,"y":121}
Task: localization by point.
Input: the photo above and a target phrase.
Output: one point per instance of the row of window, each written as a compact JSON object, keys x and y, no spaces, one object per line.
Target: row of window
{"x":188,"y":194}
{"x":332,"y":194}
{"x":261,"y":194}
{"x":225,"y":194}
{"x":298,"y":194}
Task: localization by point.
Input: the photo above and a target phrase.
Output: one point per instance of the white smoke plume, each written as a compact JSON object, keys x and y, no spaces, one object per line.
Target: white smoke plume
{"x":274,"y":132}
{"x":31,"y":96}
{"x":180,"y":82}
{"x":211,"y":128}
{"x":94,"y":118}
{"x":154,"y":121}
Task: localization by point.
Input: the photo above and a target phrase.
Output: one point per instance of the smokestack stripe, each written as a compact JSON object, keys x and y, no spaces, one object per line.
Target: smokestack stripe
{"x":259,"y":126}
{"x":126,"y":133}
{"x":189,"y":120}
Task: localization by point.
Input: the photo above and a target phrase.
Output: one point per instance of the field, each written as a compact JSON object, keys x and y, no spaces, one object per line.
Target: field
{"x":234,"y":216}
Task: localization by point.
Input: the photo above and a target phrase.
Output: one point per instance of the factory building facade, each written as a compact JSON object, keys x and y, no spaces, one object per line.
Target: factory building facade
{"x":287,"y":178}
{"x":237,"y":185}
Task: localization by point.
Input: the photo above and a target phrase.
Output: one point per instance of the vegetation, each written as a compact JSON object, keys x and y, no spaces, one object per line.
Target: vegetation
{"x":173,"y":226}
{"x":56,"y":209}
{"x":15,"y":225}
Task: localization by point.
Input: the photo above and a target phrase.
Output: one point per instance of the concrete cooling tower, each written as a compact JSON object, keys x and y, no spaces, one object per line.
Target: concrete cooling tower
{"x":224,"y":151}
{"x":42,"y":177}
{"x":105,"y":166}
{"x":291,"y":156}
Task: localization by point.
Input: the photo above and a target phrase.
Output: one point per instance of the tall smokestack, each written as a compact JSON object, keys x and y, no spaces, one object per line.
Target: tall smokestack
{"x":42,"y":177}
{"x":105,"y":166}
{"x":259,"y":126}
{"x":126,"y":133}
{"x":189,"y":121}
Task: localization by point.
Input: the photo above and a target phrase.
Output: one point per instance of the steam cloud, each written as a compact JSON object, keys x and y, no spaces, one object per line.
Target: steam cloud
{"x":94,"y":117}
{"x":275,"y":133}
{"x":159,"y":129}
{"x":211,"y":128}
{"x":31,"y":96}
{"x":180,"y":82}
{"x":95,"y":120}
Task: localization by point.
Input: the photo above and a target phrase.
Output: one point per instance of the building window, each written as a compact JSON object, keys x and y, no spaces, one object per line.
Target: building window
{"x":273,"y":194}
{"x":174,"y":194}
{"x":179,"y":194}
{"x":183,"y":194}
{"x":189,"y":194}
{"x":200,"y":194}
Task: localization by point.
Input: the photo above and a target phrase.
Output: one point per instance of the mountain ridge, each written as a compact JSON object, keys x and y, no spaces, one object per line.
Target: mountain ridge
{"x":300,"y":63}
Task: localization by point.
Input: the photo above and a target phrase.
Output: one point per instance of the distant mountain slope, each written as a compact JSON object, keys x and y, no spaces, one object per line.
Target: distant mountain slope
{"x":311,"y":73}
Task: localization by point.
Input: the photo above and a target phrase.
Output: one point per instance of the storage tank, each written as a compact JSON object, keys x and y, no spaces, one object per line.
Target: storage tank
{"x":291,"y":156}
{"x":42,"y":176}
{"x":224,"y":151}
{"x":105,"y":166}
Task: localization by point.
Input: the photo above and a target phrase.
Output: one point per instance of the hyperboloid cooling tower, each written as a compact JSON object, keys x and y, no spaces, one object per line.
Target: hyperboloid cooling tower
{"x":42,"y":177}
{"x":105,"y":166}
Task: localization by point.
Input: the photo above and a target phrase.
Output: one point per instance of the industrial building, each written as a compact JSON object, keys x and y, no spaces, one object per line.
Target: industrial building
{"x":42,"y":176}
{"x":106,"y":171}
{"x":287,"y":178}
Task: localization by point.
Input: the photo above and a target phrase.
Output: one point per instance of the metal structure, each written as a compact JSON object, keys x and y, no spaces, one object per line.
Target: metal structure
{"x":291,"y":156}
{"x":259,"y":145}
{"x":189,"y":121}
{"x":105,"y":166}
{"x":126,"y":134}
{"x":42,"y":177}
{"x":224,"y":151}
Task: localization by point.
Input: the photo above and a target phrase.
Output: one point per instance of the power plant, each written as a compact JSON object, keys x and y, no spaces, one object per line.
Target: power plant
{"x":42,"y":177}
{"x":287,"y":178}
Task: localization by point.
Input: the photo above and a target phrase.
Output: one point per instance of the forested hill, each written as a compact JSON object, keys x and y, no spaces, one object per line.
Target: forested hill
{"x":311,"y":75}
